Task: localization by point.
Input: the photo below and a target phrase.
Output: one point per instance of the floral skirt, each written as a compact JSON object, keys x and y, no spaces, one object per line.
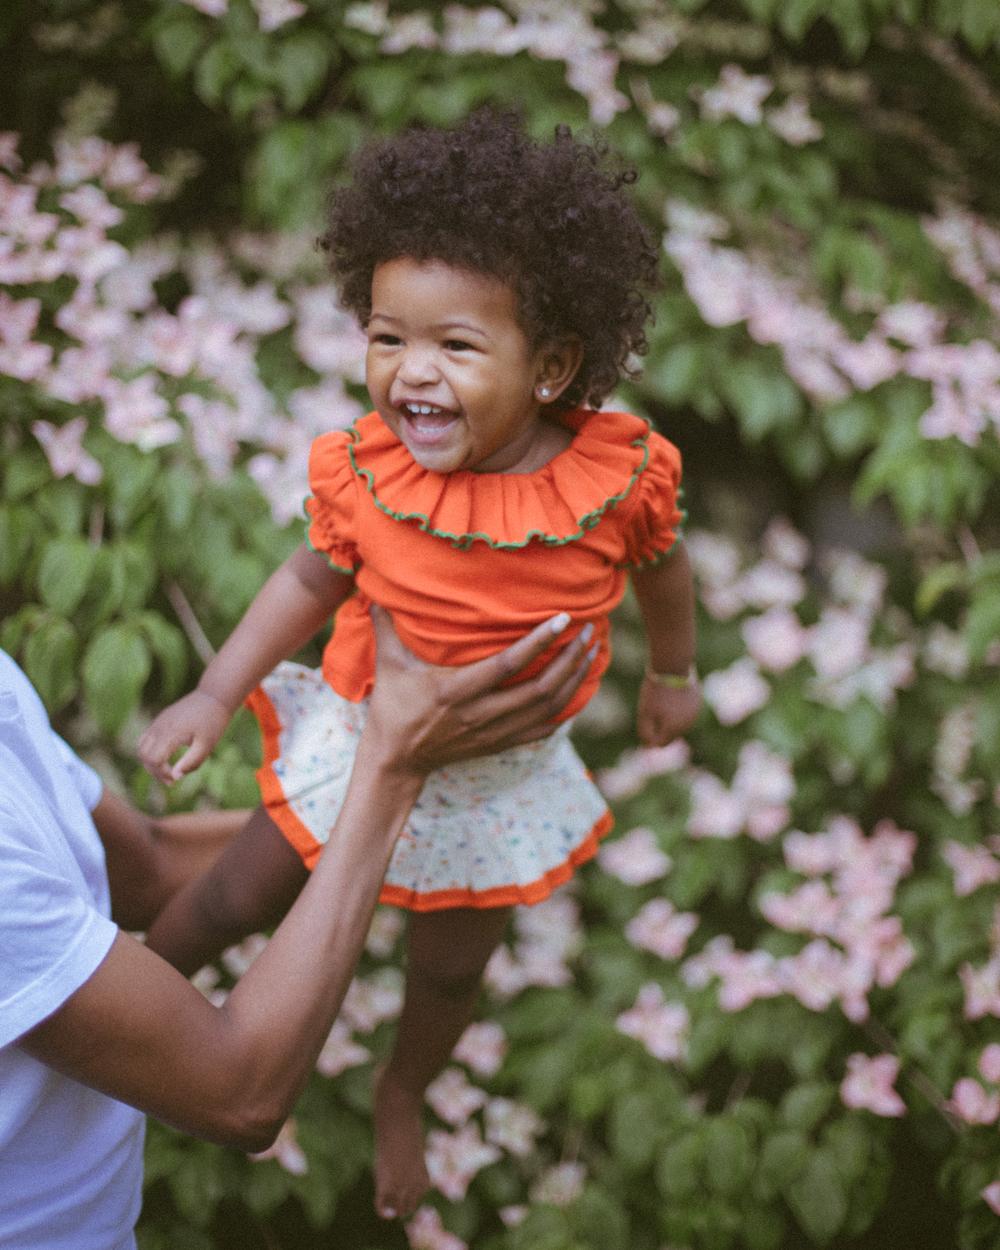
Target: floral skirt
{"x":507,"y":828}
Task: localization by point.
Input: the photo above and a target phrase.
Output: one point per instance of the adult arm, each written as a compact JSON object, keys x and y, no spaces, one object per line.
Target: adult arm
{"x":138,"y":1031}
{"x":149,"y":858}
{"x":297,"y":599}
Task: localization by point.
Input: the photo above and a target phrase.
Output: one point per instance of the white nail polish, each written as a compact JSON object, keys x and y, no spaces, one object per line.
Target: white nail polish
{"x":559,"y":623}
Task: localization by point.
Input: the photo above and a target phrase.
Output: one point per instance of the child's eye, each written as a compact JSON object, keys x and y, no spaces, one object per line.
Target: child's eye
{"x":385,"y":340}
{"x":458,"y":345}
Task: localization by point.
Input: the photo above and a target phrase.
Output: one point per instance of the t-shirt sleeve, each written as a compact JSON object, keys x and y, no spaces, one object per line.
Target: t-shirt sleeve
{"x":654,"y":518}
{"x":52,"y":939}
{"x":88,"y":783}
{"x":332,"y":525}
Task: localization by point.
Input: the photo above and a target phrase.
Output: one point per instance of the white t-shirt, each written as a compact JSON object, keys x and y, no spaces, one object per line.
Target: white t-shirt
{"x":70,"y":1158}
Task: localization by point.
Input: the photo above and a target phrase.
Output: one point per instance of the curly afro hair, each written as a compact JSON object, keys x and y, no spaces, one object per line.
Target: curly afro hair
{"x":552,"y":220}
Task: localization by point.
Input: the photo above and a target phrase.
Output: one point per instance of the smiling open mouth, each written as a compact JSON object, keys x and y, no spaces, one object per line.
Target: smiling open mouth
{"x":427,"y":421}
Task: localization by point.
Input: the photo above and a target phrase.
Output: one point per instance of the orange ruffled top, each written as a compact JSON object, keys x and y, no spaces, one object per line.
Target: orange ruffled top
{"x":468,"y":562}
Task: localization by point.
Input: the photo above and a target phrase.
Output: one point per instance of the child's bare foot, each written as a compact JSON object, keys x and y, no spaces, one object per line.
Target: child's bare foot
{"x":401,"y":1178}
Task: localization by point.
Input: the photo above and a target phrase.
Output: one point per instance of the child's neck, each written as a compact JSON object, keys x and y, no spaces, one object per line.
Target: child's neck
{"x":552,"y":438}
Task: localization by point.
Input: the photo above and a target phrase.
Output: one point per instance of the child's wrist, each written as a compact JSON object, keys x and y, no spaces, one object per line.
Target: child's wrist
{"x":672,"y":680}
{"x":221,"y":702}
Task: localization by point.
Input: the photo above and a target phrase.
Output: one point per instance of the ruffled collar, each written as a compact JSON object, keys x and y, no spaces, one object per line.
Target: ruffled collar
{"x":555,"y":505}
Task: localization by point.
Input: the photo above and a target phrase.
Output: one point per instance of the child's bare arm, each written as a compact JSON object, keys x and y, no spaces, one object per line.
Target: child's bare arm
{"x":294,"y":602}
{"x":670,"y":697}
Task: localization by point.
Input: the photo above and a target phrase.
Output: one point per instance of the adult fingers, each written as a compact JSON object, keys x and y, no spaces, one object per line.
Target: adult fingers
{"x":526,"y":712}
{"x":487,"y":674}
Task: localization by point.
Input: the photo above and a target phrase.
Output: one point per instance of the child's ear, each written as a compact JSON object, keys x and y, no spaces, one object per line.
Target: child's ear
{"x":558,"y":363}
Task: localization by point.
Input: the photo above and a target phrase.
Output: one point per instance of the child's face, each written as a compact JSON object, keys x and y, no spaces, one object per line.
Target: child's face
{"x":449,"y":368}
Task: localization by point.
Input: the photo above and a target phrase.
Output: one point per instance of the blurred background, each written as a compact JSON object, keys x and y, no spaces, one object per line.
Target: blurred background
{"x":766,"y":1019}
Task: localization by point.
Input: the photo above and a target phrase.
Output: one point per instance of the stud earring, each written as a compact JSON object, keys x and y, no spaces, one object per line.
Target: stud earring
{"x":543,"y":392}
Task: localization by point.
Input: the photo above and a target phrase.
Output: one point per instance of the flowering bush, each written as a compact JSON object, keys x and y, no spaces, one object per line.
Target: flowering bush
{"x":774,"y":998}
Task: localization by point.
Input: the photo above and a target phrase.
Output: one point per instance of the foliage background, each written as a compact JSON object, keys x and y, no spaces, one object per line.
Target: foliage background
{"x":767,"y":1022}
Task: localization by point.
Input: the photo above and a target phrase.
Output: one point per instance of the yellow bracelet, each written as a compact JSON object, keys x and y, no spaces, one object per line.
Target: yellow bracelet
{"x":673,"y":681}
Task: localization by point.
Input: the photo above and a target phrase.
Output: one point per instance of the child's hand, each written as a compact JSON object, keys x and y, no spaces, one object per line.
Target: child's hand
{"x":197,"y":721}
{"x":666,"y":712}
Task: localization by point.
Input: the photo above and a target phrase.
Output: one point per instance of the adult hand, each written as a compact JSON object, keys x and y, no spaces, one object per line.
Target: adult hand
{"x":425,"y":716}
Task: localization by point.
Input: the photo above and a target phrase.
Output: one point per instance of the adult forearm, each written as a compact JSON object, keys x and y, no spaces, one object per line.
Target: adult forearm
{"x":280,"y":1013}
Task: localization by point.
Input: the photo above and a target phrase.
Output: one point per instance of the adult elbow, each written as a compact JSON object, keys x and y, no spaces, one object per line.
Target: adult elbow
{"x":251,"y":1129}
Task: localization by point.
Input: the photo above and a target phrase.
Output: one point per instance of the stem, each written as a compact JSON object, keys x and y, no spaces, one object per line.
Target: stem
{"x":190,"y":623}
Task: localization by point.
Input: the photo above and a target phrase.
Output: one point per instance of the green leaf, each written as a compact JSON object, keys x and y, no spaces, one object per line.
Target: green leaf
{"x":804,"y":1106}
{"x":65,"y":572}
{"x":938,"y":582}
{"x":169,"y":647}
{"x":817,"y":1197}
{"x":851,"y":425}
{"x":25,"y":473}
{"x":982,"y":621}
{"x":115,"y":668}
{"x":177,"y":39}
{"x":215,"y":71}
{"x":729,"y":1155}
{"x":796,"y":16}
{"x":17,"y":529}
{"x":763,"y":398}
{"x":300,"y":67}
{"x":51,"y":656}
{"x":635,"y":1127}
{"x":678,"y":1166}
{"x":675,"y":372}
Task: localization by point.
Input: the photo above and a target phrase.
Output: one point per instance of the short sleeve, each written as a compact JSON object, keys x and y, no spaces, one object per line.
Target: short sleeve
{"x":87,"y":782}
{"x":52,"y":939}
{"x":332,"y":526}
{"x":654,"y":518}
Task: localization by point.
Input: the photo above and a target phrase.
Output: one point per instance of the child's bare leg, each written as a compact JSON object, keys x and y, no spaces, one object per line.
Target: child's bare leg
{"x":249,"y":887}
{"x":446,"y":954}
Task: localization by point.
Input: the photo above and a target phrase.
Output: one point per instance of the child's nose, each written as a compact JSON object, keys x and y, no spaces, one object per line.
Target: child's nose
{"x":418,"y":366}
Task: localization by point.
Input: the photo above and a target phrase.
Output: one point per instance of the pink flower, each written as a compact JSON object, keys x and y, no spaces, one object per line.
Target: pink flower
{"x":971,"y":1103}
{"x":989,"y":1063}
{"x":340,"y":1052}
{"x":716,"y":812}
{"x":63,"y":447}
{"x":635,"y":858}
{"x":482,"y":1048}
{"x":662,"y":1027}
{"x":793,"y":122}
{"x":286,"y":1150}
{"x":453,"y":1159}
{"x":838,"y":643}
{"x":90,"y":206}
{"x":274,"y":13}
{"x":991,"y":1196}
{"x":135,"y":413}
{"x":736,"y":692}
{"x":982,"y":989}
{"x":660,"y":928}
{"x":776,"y":640}
{"x":214,"y":8}
{"x":911,"y":323}
{"x":452,"y":1098}
{"x":868,"y":362}
{"x":560,"y":1185}
{"x":513,"y":1126}
{"x":384,"y":931}
{"x":736,"y":94}
{"x":809,"y":909}
{"x":747,"y":976}
{"x":426,"y":1232}
{"x":973,"y":866}
{"x":368,"y":1002}
{"x":868,"y":1085}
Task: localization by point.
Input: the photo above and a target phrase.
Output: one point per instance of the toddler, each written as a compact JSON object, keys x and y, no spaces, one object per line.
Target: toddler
{"x":502,"y":284}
